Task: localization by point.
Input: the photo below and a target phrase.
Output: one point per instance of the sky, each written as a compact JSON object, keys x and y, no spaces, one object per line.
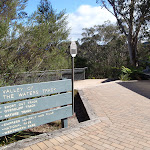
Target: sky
{"x":81,"y":14}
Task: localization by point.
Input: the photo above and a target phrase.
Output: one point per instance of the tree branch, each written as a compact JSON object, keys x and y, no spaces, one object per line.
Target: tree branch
{"x":112,"y":3}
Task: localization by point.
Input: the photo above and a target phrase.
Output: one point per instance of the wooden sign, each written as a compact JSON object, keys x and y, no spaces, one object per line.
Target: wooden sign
{"x":26,"y":122}
{"x":11,"y":93}
{"x":41,"y":99}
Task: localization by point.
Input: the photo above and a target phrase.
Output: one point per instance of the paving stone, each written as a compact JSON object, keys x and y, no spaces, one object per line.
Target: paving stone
{"x":54,"y":141}
{"x":94,"y":137}
{"x":48,"y":143}
{"x":58,"y":148}
{"x":42,"y":146}
{"x":88,"y":147}
{"x":60,"y":140}
{"x":68,"y":147}
{"x":78,"y":142}
{"x":70,"y":143}
{"x":117,"y":146}
{"x":98,"y":147}
{"x":96,"y":142}
{"x":27,"y":148}
{"x":108,"y":146}
{"x":50,"y":148}
{"x":76,"y":146}
{"x":35,"y":147}
{"x":65,"y":138}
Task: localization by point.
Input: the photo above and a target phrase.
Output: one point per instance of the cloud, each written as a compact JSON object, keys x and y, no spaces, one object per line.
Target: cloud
{"x":87,"y":16}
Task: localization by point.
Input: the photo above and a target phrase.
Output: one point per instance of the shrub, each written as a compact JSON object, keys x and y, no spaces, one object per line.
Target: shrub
{"x":132,"y":74}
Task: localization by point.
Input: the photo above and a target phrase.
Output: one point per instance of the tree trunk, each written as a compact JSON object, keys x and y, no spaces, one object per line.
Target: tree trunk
{"x":132,"y":52}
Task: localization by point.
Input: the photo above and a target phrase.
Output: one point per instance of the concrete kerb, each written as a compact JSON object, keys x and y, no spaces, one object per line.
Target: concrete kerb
{"x":89,"y":109}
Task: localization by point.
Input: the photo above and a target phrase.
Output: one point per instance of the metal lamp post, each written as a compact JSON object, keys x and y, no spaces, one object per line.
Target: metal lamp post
{"x":73,"y":52}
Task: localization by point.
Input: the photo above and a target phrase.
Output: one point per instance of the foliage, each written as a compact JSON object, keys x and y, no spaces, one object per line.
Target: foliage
{"x":125,"y":76}
{"x":132,"y":74}
{"x":36,"y":44}
{"x":39,"y":42}
{"x":144,"y":54}
{"x":103,"y":49}
{"x":133,"y":19}
{"x":126,"y":70}
{"x":10,"y":10}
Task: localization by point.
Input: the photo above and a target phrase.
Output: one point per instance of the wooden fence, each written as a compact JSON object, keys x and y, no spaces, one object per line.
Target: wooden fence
{"x":40,"y":76}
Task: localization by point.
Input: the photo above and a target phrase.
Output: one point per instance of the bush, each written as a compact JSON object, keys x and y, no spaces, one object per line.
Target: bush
{"x":124,"y":77}
{"x":132,"y":74}
{"x":114,"y":73}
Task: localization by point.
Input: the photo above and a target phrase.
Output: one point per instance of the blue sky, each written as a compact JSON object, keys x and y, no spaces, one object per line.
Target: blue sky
{"x":81,"y":14}
{"x":69,"y":5}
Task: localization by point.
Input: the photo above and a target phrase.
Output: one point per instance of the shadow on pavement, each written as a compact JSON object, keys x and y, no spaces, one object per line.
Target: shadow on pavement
{"x":141,"y":87}
{"x":80,"y":110}
{"x":107,"y":80}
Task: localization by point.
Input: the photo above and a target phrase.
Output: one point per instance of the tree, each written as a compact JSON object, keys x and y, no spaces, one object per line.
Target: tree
{"x":48,"y":31}
{"x":36,"y":45}
{"x":10,"y":10}
{"x":132,"y":17}
{"x":40,"y":41}
{"x":103,"y":49}
{"x":55,"y":23}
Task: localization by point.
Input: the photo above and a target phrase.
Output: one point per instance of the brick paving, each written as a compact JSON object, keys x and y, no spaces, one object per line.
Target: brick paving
{"x":124,"y":125}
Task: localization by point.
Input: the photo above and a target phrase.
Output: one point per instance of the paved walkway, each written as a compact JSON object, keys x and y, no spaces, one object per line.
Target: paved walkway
{"x":122,"y":123}
{"x":89,"y":83}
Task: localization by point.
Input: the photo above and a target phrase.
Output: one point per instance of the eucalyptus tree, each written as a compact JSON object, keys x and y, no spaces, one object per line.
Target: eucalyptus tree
{"x":104,"y":48}
{"x":133,"y":17}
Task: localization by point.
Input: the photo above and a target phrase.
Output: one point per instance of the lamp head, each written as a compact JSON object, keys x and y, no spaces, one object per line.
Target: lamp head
{"x":73,"y":49}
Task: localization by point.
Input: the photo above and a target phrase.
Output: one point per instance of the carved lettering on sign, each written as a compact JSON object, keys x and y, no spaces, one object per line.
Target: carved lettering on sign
{"x":13,"y":109}
{"x":21,"y":92}
{"x":49,"y":90}
{"x":8,"y":96}
{"x":30,"y":93}
{"x":12,"y":114}
{"x":24,"y":92}
{"x":12,"y":122}
{"x":9,"y":91}
{"x":22,"y":124}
